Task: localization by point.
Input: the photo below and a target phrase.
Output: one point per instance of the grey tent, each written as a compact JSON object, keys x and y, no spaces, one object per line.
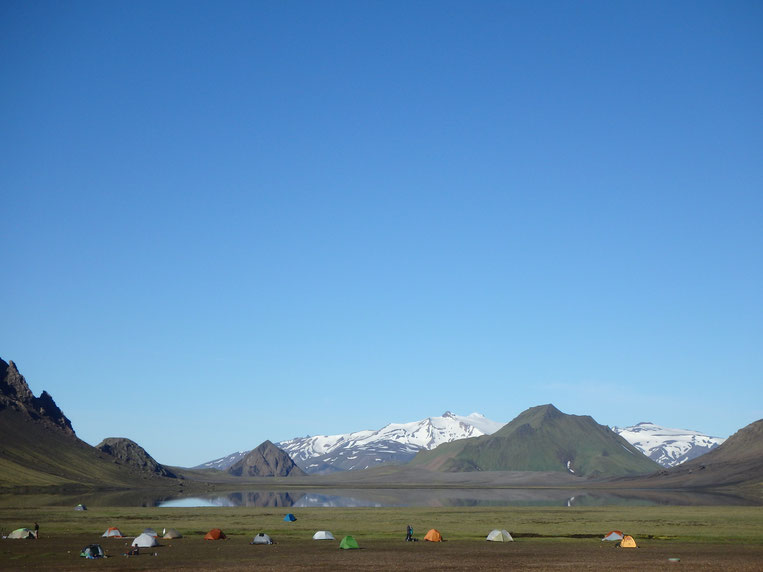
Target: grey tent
{"x":145,"y":541}
{"x":262,"y":538}
{"x":323,"y":535}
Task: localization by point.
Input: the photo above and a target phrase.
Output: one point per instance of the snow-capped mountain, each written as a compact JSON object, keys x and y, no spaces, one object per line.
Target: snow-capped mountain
{"x":668,"y":447}
{"x":396,"y":442}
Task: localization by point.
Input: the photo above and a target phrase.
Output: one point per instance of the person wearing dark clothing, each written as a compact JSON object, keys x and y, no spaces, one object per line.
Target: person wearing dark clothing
{"x":409,"y":533}
{"x":36,"y":530}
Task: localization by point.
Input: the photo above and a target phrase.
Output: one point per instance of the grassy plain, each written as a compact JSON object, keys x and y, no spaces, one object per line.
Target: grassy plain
{"x":708,"y":538}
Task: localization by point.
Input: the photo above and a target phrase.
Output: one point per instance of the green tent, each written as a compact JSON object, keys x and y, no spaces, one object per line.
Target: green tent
{"x":349,"y":542}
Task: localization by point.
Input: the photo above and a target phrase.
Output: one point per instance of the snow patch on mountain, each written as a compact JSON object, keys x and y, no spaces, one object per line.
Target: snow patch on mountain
{"x":668,"y":447}
{"x":425,"y":434}
{"x":395,"y":442}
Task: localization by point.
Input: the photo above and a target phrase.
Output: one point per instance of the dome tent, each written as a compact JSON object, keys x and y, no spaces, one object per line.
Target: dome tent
{"x":22,"y":533}
{"x":215,"y":534}
{"x":262,"y":538}
{"x":323,"y":535}
{"x":348,"y":543}
{"x":92,"y":551}
{"x":170,"y":533}
{"x":145,"y":541}
{"x":499,"y":536}
{"x":627,"y":542}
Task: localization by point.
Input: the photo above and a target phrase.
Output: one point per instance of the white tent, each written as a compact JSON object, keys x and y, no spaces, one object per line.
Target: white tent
{"x":112,"y":532}
{"x":145,"y":541}
{"x":499,"y":536}
{"x":323,"y":535}
{"x":150,"y":532}
{"x":262,"y":538}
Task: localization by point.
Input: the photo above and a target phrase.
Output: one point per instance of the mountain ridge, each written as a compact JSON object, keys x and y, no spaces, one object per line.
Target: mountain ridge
{"x":266,"y":460}
{"x":542,"y":438}
{"x":39,"y":447}
{"x":394,"y":442}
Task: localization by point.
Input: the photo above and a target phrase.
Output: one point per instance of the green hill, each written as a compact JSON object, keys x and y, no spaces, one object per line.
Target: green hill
{"x":542,"y":438}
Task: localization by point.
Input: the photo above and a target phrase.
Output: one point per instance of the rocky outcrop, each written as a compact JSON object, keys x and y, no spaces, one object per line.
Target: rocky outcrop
{"x":267,"y":460}
{"x":129,"y":453}
{"x":15,"y":394}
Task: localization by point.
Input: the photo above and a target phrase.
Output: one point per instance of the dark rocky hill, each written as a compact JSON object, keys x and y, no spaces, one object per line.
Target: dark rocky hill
{"x":542,"y":438}
{"x":39,"y":448}
{"x":133,"y":455}
{"x":267,"y":460}
{"x":15,"y":394}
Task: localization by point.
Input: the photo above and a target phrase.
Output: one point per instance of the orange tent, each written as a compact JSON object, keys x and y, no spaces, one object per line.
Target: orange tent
{"x":215,"y":534}
{"x":433,"y":536}
{"x":628,"y":542}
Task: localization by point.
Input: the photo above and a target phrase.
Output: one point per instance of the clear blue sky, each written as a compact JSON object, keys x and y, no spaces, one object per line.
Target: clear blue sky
{"x":230,"y":222}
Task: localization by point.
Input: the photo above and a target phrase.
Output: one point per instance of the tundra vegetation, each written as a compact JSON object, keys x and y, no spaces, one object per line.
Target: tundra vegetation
{"x":545,"y":537}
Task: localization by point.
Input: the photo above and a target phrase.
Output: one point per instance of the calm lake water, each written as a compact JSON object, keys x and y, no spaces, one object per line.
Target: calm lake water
{"x":367,"y":497}
{"x":448,"y":498}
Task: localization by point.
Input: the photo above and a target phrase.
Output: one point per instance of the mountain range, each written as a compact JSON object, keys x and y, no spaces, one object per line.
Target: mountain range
{"x":400,"y":442}
{"x":395,"y":442}
{"x":39,"y":448}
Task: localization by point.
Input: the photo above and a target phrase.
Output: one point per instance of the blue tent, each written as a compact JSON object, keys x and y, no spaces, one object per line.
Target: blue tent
{"x":290,"y":518}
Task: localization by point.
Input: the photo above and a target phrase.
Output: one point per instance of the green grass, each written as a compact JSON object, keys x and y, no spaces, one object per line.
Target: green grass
{"x":685,"y":524}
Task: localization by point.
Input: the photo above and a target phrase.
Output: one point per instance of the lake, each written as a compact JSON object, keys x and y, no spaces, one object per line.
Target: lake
{"x":384,"y":497}
{"x":448,"y":497}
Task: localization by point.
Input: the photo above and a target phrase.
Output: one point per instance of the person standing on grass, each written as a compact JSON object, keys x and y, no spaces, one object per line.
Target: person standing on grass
{"x":36,"y":530}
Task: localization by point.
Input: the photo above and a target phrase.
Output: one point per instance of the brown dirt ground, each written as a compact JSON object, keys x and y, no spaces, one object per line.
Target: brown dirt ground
{"x":62,"y":553}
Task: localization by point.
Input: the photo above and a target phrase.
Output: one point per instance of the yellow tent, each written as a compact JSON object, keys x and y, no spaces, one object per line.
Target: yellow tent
{"x":628,"y":542}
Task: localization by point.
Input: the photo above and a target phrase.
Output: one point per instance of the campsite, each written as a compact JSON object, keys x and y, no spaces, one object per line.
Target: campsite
{"x":545,"y":538}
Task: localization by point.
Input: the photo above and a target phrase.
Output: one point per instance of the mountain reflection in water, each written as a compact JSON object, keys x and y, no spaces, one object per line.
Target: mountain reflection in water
{"x":451,"y":498}
{"x":387,"y":497}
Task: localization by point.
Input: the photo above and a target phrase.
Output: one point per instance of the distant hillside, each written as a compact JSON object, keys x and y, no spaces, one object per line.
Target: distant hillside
{"x":133,"y":455}
{"x":668,"y":447}
{"x":542,"y":438}
{"x":266,"y":460}
{"x":39,"y":447}
{"x":736,"y":462}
